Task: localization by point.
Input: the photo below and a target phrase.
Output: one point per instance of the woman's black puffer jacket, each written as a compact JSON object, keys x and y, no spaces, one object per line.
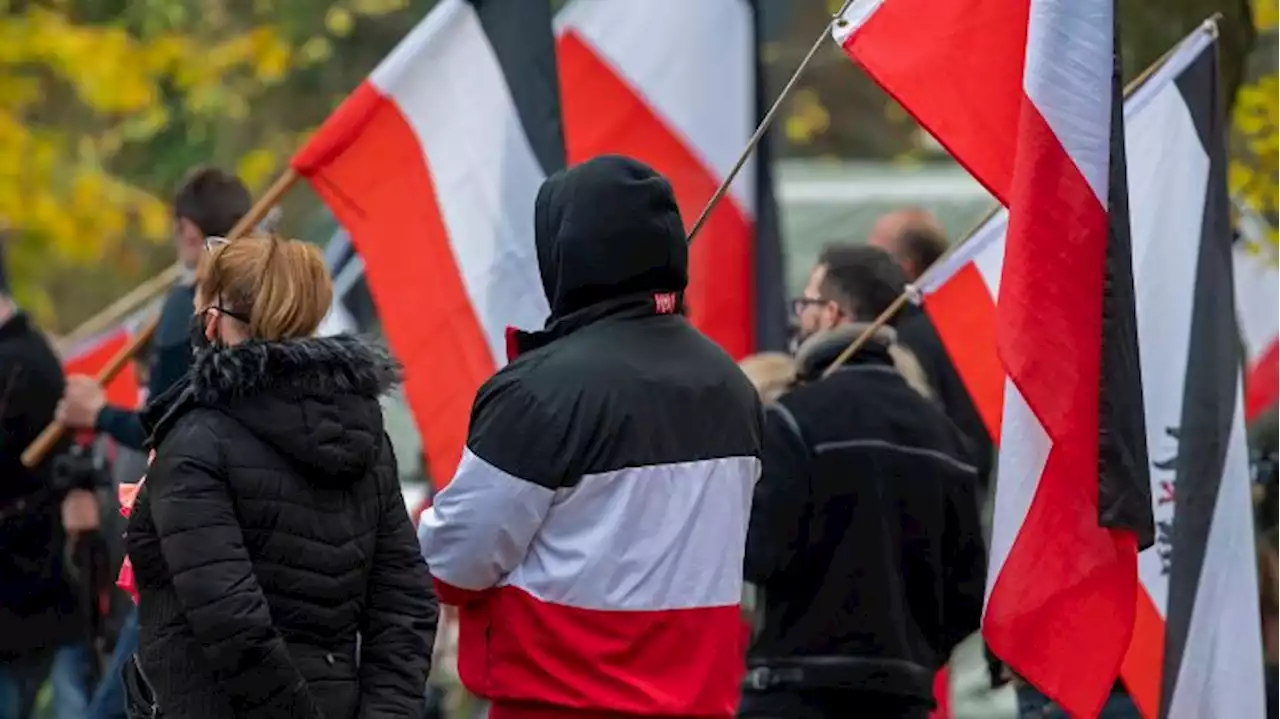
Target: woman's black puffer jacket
{"x":278,"y":572}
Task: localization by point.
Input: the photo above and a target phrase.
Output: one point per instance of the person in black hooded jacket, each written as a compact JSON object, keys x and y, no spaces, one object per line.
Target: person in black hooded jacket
{"x":277,"y":570}
{"x":592,"y":534}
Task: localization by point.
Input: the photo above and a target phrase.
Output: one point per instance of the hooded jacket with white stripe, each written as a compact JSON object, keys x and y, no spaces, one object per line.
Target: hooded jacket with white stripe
{"x":593,"y":534}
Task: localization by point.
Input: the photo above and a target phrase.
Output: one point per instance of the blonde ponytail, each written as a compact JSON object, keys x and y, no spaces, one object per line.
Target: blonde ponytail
{"x":281,"y":285}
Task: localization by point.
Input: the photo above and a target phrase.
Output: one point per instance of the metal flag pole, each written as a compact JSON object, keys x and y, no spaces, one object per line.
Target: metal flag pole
{"x":766,"y":122}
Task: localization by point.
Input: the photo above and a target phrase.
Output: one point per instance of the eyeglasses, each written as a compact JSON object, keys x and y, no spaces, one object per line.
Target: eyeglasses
{"x":223,"y":311}
{"x":213,"y":243}
{"x":799,"y":304}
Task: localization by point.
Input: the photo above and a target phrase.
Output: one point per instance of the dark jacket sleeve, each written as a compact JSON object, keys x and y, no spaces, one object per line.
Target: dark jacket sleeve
{"x":29,"y":392}
{"x":170,"y":361}
{"x":15,"y":426}
{"x":965,"y":565}
{"x":213,"y":577}
{"x":780,"y":509}
{"x":399,"y":625}
{"x":123,"y":426}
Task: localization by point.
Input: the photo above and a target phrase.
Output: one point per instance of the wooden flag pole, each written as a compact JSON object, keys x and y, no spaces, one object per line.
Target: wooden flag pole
{"x":117,"y":310}
{"x":40,"y":447}
{"x":1210,"y":25}
{"x":136,"y":297}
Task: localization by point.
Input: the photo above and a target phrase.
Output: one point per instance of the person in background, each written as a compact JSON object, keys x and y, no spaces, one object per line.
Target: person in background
{"x":1269,"y":602}
{"x":864,"y":535}
{"x":127,"y":467}
{"x":209,"y":202}
{"x":771,"y":373}
{"x":915,"y":238}
{"x":39,"y":617}
{"x":592,"y":535}
{"x":270,"y":535}
{"x":1264,"y":466}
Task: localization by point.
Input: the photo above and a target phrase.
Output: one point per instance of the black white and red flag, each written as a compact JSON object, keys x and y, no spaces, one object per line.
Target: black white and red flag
{"x":677,"y":85}
{"x":1026,"y":95}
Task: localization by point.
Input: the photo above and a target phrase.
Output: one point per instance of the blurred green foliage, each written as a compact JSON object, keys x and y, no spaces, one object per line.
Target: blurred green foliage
{"x":104,"y":105}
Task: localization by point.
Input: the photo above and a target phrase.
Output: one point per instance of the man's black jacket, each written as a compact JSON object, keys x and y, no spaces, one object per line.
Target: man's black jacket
{"x":864,"y":531}
{"x":37,"y":604}
{"x":170,"y":359}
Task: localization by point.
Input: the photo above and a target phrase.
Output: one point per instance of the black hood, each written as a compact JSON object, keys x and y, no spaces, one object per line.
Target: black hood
{"x":314,"y":400}
{"x":606,"y":229}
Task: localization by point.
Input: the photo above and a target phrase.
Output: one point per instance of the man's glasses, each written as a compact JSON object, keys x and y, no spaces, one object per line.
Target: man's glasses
{"x":799,"y":304}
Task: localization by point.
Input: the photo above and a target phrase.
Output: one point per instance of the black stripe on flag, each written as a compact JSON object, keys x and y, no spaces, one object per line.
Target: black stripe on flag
{"x":520,"y":34}
{"x":771,"y":312}
{"x":1213,"y":367}
{"x":1124,"y":481}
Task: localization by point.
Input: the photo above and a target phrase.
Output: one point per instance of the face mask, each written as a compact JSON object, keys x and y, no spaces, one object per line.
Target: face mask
{"x":199,"y":341}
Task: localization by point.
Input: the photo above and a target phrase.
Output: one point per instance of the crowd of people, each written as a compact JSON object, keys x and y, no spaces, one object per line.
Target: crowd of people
{"x":638,"y":526}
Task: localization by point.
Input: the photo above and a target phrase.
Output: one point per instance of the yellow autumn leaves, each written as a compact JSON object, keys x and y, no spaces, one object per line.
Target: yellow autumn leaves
{"x":1254,"y":174}
{"x":81,"y":102}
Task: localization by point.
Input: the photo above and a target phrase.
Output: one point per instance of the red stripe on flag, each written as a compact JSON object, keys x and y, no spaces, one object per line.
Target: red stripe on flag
{"x":1262,"y":383}
{"x":1143,"y":663}
{"x":603,"y":115}
{"x":121,"y":391}
{"x":1061,"y":611}
{"x":942,"y":694}
{"x":981,"y":61}
{"x":366,"y":164}
{"x":964,"y":314}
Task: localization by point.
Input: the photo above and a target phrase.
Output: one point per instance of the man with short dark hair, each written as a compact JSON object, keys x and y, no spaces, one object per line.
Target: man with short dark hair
{"x":846,"y":279}
{"x":864,"y":536}
{"x":209,"y":203}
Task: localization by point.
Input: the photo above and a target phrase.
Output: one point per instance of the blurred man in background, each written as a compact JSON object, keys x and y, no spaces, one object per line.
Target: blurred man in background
{"x":38,"y":627}
{"x":915,"y":238}
{"x":209,"y":203}
{"x":864,"y":534}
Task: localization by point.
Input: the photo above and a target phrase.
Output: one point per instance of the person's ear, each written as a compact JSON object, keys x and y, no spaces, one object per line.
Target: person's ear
{"x":830,"y":314}
{"x":211,"y":325}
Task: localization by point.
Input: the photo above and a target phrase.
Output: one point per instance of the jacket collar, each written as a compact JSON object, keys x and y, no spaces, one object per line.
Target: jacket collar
{"x":321,"y":367}
{"x":819,"y":351}
{"x":634,"y":306}
{"x":15,"y":326}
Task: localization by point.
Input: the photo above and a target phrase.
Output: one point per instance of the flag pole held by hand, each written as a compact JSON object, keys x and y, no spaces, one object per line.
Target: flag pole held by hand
{"x":41,"y":445}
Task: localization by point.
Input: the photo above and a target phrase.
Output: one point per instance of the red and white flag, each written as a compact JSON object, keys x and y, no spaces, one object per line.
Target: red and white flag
{"x":433,"y":165}
{"x":1199,"y":588}
{"x":90,"y":355}
{"x":1025,"y":94}
{"x":1257,"y":285}
{"x":674,"y":84}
